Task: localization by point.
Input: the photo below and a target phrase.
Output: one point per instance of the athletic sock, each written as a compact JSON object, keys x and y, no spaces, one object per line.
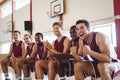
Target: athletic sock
{"x":16,"y":76}
{"x":19,"y":78}
{"x":6,"y":76}
{"x":27,"y":78}
{"x":62,"y":78}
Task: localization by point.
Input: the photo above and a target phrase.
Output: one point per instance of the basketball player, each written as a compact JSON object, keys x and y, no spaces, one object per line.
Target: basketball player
{"x":16,"y":53}
{"x":31,"y":51}
{"x":60,"y":46}
{"x":96,"y":45}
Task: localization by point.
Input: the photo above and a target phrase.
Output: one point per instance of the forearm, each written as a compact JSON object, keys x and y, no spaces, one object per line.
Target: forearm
{"x":100,"y":56}
{"x":80,"y":51}
{"x":24,"y":55}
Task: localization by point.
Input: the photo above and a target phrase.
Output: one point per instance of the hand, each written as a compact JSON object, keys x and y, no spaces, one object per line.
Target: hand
{"x":73,"y":50}
{"x":48,"y":45}
{"x":8,"y":56}
{"x":80,"y":42}
{"x":50,"y":54}
{"x":86,"y":49}
{"x":23,"y":61}
{"x":19,"y":60}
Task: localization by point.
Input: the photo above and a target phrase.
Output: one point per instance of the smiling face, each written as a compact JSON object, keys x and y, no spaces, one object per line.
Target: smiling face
{"x":27,"y":39}
{"x":73,"y":33}
{"x":16,"y":36}
{"x":38,"y":39}
{"x":82,"y":30}
{"x":57,"y":30}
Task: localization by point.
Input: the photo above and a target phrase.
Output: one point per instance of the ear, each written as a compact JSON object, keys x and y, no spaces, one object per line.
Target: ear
{"x":88,"y":28}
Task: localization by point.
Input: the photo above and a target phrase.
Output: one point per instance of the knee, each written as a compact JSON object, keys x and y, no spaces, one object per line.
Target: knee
{"x":78,"y":66}
{"x":37,"y":64}
{"x":51,"y":64}
{"x":2,"y":62}
{"x":17,"y":64}
{"x":102,"y":67}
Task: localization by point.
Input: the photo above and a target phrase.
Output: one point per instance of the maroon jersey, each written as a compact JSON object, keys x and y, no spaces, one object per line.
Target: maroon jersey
{"x":58,"y":45}
{"x":17,"y":49}
{"x":40,"y":50}
{"x":29,"y":50}
{"x":74,"y":42}
{"x":93,"y":45}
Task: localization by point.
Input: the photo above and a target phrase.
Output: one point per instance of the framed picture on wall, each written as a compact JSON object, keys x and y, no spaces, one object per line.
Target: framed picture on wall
{"x":56,"y":7}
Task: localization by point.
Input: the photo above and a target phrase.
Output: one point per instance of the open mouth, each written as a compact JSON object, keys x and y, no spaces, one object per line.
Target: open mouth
{"x":81,"y":34}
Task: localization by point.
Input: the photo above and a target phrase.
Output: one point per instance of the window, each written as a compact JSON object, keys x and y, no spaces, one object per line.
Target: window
{"x":108,"y":29}
{"x":7,"y":9}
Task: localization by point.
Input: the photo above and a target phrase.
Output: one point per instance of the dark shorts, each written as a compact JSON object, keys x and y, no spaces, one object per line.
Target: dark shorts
{"x":97,"y":74}
{"x":70,"y":68}
{"x":67,"y":65}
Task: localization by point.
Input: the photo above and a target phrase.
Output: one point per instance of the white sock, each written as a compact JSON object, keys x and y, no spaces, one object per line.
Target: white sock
{"x":6,"y":75}
{"x":62,"y":78}
{"x":27,"y":78}
{"x":19,"y":78}
{"x":16,"y":76}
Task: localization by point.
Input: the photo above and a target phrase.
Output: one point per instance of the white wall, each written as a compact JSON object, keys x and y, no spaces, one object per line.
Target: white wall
{"x":21,"y":15}
{"x":92,"y":10}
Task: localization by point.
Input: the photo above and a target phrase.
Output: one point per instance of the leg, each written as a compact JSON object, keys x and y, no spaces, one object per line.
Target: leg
{"x":4,"y":65}
{"x":18,"y":66}
{"x":27,"y":66}
{"x":26,"y":70}
{"x":52,"y":70}
{"x":40,"y":66}
{"x":105,"y":70}
{"x":61,"y":67}
{"x":80,"y":68}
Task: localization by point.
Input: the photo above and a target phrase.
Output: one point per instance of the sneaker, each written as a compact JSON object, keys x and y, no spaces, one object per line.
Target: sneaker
{"x":7,"y":79}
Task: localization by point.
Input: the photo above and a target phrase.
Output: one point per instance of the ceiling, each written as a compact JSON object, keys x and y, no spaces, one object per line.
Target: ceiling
{"x":2,"y":1}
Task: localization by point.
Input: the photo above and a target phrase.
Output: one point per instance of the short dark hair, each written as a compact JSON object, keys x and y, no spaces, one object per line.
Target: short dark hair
{"x":39,"y":34}
{"x":16,"y":31}
{"x":73,"y":27}
{"x":83,"y":21}
{"x":28,"y":35}
{"x":57,"y":23}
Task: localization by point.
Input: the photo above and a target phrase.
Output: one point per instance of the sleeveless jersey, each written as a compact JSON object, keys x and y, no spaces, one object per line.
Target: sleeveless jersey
{"x":59,"y":45}
{"x":17,"y":50}
{"x":74,"y":42}
{"x":40,"y":50}
{"x":29,"y":50}
{"x":93,"y":45}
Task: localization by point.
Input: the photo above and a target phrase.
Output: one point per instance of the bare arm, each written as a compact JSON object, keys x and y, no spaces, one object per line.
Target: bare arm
{"x":47,"y":46}
{"x":80,"y":49}
{"x":23,"y":50}
{"x":102,"y":42}
{"x":10,"y":51}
